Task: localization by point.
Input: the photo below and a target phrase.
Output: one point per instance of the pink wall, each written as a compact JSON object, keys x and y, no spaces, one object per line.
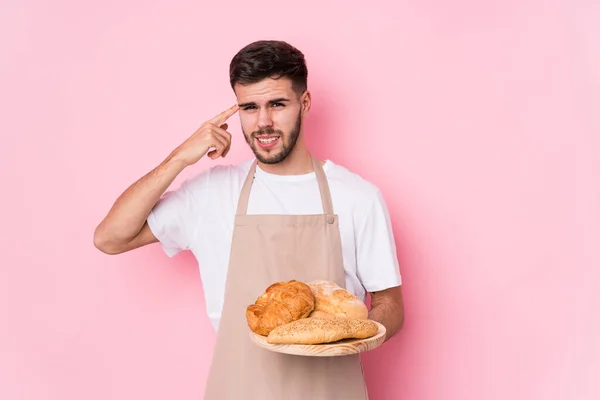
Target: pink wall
{"x":479,"y":121}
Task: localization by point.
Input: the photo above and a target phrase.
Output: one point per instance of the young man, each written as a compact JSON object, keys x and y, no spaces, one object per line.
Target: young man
{"x":283,"y":215}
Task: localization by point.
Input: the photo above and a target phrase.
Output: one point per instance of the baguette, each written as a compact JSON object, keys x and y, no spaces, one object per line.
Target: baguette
{"x":311,"y":331}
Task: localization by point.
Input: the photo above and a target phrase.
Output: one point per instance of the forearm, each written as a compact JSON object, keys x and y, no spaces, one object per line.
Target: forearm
{"x":389,"y":312}
{"x":131,"y":209}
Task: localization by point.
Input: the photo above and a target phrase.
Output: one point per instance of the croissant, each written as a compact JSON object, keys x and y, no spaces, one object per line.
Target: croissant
{"x":281,"y":303}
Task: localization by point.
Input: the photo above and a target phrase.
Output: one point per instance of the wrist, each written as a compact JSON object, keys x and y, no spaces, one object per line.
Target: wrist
{"x":174,"y":161}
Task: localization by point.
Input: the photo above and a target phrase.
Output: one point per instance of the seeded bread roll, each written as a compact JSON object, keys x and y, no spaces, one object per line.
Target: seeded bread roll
{"x":322,"y":330}
{"x":282,"y":302}
{"x":333,"y":299}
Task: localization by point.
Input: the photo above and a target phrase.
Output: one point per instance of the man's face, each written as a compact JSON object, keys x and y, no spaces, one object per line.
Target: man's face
{"x":271,"y":115}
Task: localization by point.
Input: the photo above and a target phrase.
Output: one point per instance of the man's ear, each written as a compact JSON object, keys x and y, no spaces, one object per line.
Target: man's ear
{"x":306,"y":102}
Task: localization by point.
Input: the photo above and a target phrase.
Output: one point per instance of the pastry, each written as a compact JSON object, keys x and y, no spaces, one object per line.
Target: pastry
{"x":281,"y":303}
{"x":321,"y":314}
{"x":311,"y":331}
{"x":333,"y":299}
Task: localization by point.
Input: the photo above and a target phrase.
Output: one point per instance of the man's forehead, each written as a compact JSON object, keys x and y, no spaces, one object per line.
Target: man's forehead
{"x":264,"y":91}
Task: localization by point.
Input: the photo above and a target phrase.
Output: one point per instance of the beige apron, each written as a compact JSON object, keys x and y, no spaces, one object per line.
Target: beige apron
{"x":267,"y":249}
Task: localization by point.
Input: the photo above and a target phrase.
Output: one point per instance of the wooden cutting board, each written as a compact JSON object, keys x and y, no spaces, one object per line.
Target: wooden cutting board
{"x":341,"y":348}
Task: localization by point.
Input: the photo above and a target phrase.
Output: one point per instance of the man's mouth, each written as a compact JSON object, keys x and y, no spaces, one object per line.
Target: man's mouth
{"x":267,"y":142}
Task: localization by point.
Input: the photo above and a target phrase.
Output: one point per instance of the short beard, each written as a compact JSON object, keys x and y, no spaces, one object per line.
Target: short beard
{"x":287,"y":147}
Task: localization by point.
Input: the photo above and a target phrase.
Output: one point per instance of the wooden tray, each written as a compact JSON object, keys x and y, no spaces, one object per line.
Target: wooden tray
{"x":341,"y":348}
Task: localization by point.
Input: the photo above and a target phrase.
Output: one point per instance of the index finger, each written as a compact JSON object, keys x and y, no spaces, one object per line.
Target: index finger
{"x":221,"y":118}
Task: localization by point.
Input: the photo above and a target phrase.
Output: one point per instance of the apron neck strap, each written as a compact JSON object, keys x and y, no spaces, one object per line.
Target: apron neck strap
{"x":323,"y":187}
{"x":321,"y":180}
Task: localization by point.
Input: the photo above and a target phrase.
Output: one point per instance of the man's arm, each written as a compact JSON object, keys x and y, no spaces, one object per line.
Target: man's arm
{"x":377,"y":264}
{"x":387,"y":308}
{"x":125,"y":226}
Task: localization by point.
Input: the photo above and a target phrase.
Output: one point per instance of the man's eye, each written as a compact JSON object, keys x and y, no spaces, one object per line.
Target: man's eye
{"x":249,"y":108}
{"x":278,"y":104}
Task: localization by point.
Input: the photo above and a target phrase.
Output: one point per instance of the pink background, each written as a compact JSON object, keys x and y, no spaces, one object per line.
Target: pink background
{"x":478,"y":119}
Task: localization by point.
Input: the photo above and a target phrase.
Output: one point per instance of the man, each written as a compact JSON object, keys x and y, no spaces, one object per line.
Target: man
{"x":283,"y":215}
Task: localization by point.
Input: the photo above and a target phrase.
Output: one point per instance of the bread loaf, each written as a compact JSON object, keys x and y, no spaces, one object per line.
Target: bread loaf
{"x":322,"y":314}
{"x":333,"y":299}
{"x":322,"y":330}
{"x":281,"y":303}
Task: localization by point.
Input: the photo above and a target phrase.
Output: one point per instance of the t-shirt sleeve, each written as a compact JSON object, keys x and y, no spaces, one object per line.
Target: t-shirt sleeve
{"x":175,"y":218}
{"x":377,"y":260}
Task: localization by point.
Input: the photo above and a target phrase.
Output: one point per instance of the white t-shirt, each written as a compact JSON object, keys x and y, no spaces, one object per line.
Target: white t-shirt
{"x":199,"y":216}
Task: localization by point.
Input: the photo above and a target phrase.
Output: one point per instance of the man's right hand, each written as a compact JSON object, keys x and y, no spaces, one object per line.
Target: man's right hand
{"x":211,"y":135}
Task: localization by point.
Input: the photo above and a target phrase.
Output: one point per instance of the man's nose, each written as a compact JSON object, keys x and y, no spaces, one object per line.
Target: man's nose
{"x":264,"y":119}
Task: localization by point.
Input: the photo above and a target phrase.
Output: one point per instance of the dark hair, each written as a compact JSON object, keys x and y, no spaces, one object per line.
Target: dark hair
{"x":269,"y":59}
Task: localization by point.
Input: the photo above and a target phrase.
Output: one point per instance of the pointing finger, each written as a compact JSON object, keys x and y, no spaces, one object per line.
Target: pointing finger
{"x":222,"y":117}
